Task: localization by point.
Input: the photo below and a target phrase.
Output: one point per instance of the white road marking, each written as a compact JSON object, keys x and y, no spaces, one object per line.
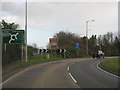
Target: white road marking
{"x":68,"y":68}
{"x":72,"y":78}
{"x":106,"y":71}
{"x":14,"y":76}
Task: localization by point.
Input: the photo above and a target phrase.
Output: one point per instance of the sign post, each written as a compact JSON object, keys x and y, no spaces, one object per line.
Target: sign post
{"x":41,"y":51}
{"x":64,"y":52}
{"x":13,"y":37}
{"x":60,"y":50}
{"x":78,"y":48}
{"x":47,"y":54}
{"x":22,"y":52}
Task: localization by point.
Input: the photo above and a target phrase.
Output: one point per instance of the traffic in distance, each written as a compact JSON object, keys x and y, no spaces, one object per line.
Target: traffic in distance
{"x":98,"y":54}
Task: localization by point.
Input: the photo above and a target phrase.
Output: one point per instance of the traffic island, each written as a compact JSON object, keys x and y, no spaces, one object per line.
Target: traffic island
{"x":111,"y":66}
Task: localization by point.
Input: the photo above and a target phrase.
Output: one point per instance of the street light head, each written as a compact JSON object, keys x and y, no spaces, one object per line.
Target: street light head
{"x":91,"y":21}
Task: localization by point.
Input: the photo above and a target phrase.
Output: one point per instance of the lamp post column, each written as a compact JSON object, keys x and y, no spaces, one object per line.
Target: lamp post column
{"x":26,"y":58}
{"x":87,"y":37}
{"x":87,"y":34}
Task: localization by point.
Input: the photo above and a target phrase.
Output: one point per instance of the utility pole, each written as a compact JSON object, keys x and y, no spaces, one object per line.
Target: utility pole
{"x":87,"y":37}
{"x":87,"y":34}
{"x":26,"y":58}
{"x":1,"y":38}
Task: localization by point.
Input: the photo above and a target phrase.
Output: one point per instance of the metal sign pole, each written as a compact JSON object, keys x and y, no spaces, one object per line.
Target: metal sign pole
{"x":41,"y":55}
{"x":22,"y":52}
{"x":60,"y":52}
{"x":5,"y":47}
{"x":47,"y":53}
{"x":64,"y":55}
{"x":78,"y":52}
{"x":38,"y":51}
{"x":64,"y":52}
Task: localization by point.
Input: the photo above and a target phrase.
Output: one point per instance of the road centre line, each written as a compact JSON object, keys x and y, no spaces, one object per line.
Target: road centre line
{"x":14,"y":76}
{"x":72,"y":78}
{"x":106,"y":71}
{"x":68,"y":68}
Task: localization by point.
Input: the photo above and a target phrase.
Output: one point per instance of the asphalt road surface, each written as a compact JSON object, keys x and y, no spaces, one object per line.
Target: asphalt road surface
{"x":88,"y":75}
{"x":56,"y":75}
{"x":45,"y":75}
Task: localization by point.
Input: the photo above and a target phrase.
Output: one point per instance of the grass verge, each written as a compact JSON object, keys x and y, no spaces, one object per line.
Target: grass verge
{"x":111,"y":65}
{"x":39,"y":59}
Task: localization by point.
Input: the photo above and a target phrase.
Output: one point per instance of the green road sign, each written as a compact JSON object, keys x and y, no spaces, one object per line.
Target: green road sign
{"x":13,"y":36}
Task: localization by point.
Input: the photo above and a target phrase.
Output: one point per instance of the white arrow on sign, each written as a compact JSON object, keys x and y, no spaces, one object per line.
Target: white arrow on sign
{"x":60,"y":50}
{"x":42,"y":51}
{"x":13,"y":37}
{"x":46,"y":50}
{"x":64,"y":50}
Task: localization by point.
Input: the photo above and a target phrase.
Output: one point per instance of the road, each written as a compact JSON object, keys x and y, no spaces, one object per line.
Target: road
{"x":88,"y":75}
{"x":45,"y":75}
{"x":56,"y":75}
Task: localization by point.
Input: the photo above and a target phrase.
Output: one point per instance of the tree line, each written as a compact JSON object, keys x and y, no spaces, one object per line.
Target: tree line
{"x":108,"y":43}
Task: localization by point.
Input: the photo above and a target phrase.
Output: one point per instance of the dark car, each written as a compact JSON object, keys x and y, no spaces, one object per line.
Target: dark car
{"x":97,"y":54}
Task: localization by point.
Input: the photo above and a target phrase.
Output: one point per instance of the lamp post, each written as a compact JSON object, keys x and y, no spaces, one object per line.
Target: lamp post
{"x":26,"y":32}
{"x":1,"y":38}
{"x":87,"y":34}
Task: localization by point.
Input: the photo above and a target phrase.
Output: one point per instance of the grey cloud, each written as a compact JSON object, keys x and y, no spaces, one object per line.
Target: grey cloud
{"x":69,"y":14}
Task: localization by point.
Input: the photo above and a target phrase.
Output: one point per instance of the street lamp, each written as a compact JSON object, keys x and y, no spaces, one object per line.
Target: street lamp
{"x":26,"y":58}
{"x":87,"y":34}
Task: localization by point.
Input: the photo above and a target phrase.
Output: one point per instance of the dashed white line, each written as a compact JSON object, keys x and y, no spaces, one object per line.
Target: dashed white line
{"x":106,"y":71}
{"x":68,"y":68}
{"x":72,"y":78}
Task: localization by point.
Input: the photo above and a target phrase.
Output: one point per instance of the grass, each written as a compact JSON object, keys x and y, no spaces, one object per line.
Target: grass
{"x":112,"y":65}
{"x":39,"y":59}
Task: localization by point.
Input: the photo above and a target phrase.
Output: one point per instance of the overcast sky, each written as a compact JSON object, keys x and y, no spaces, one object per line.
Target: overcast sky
{"x":47,"y":18}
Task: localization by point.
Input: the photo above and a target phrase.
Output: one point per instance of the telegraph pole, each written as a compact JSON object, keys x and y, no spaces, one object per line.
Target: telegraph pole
{"x":87,"y":34}
{"x":1,"y":38}
{"x":26,"y":58}
{"x":87,"y":37}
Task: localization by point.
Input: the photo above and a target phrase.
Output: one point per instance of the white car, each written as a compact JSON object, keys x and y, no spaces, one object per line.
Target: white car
{"x":101,"y":54}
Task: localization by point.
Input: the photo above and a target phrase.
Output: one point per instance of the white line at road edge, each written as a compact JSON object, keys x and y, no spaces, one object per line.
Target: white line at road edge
{"x":72,"y":78}
{"x":14,"y":76}
{"x":106,"y":71}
